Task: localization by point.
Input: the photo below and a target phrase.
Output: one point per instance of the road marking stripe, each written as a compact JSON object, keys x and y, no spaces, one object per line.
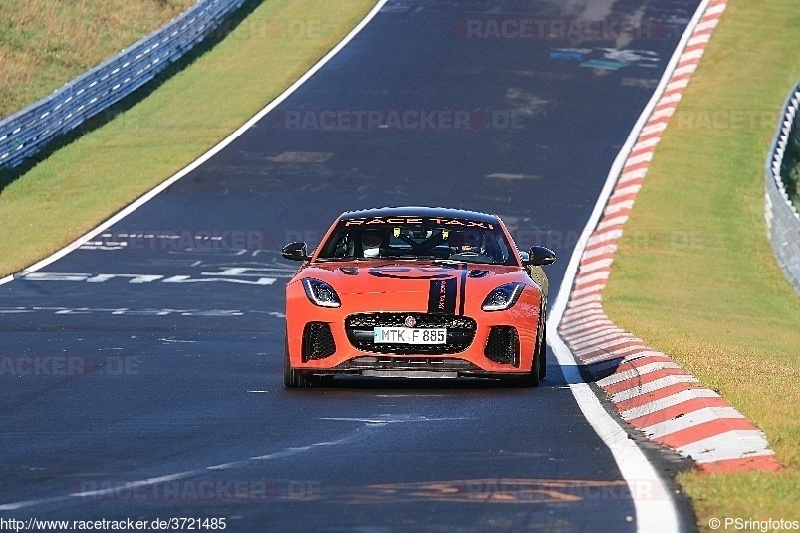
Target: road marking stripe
{"x":694,"y":418}
{"x":679,"y":410}
{"x":625,"y":204}
{"x":594,"y":267}
{"x":639,"y":366}
{"x":589,"y":278}
{"x":666,"y":112}
{"x":651,"y":142}
{"x":587,"y":285}
{"x":611,"y":350}
{"x":584,"y":279}
{"x":640,"y":376}
{"x":689,"y":435}
{"x":632,"y":360}
{"x":584,"y":321}
{"x":654,"y":129}
{"x":604,"y":339}
{"x":647,"y":156}
{"x":672,"y":400}
{"x":583,"y":314}
{"x":622,"y":197}
{"x":592,"y":291}
{"x":598,"y":258}
{"x":577,"y":311}
{"x":605,"y":236}
{"x":652,"y":388}
{"x":729,"y":445}
{"x":764,"y":461}
{"x":590,"y":298}
{"x":600,"y":274}
{"x":596,"y":333}
{"x":669,"y":389}
{"x":589,"y":327}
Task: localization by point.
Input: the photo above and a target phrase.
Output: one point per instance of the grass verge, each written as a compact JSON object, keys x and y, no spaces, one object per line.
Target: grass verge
{"x":44,"y":44}
{"x":99,"y":173}
{"x":695,"y":276}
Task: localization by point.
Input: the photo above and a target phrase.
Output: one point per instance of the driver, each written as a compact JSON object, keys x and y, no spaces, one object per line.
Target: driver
{"x":371,"y":241}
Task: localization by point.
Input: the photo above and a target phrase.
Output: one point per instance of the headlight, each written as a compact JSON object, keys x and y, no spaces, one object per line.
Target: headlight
{"x":321,"y":293}
{"x":503,"y":297}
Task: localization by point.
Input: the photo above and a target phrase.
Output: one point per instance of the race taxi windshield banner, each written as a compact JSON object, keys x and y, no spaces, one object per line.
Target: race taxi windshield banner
{"x":418,"y":221}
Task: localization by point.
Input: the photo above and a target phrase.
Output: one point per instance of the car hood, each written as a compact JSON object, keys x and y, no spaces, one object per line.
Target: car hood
{"x":361,"y":277}
{"x":434,"y":287}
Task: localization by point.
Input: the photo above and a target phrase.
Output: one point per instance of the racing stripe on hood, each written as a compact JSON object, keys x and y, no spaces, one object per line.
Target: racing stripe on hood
{"x":462,"y":292}
{"x":442,"y":296}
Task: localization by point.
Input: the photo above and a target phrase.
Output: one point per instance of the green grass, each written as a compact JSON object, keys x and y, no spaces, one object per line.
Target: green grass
{"x":96,"y":175}
{"x":46,"y":43}
{"x":695,"y":276}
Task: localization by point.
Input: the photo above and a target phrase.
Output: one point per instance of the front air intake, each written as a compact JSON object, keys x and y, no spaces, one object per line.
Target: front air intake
{"x":318,"y":341}
{"x":503,"y":345}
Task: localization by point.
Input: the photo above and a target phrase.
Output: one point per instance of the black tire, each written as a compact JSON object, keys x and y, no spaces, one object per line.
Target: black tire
{"x":543,"y":354}
{"x":539,"y":364}
{"x":292,"y":378}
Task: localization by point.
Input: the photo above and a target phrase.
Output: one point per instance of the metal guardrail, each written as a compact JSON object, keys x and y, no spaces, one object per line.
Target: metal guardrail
{"x":783,"y":221}
{"x":23,"y":134}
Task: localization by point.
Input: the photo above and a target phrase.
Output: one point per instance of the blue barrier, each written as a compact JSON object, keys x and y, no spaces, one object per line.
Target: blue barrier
{"x":23,"y":134}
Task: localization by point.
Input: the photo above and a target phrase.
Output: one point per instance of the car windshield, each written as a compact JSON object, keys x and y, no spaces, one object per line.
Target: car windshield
{"x":410,"y":238}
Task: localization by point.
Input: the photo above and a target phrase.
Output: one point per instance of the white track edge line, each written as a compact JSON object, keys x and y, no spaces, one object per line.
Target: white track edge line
{"x":652,"y":514}
{"x":203,"y":158}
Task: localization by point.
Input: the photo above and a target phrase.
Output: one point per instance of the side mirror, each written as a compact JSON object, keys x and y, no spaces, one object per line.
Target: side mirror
{"x":540,"y":256}
{"x":295,"y":251}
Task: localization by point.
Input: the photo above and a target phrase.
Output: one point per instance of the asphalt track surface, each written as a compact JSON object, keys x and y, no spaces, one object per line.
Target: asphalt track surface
{"x":141,"y":375}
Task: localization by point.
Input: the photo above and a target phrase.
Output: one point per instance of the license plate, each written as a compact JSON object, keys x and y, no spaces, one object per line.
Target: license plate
{"x":399,"y":335}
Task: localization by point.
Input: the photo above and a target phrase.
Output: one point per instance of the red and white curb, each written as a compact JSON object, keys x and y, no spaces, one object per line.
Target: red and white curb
{"x":649,"y":389}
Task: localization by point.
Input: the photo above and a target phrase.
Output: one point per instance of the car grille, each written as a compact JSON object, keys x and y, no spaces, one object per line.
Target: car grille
{"x":503,"y":345}
{"x":460,"y":332}
{"x":318,"y":341}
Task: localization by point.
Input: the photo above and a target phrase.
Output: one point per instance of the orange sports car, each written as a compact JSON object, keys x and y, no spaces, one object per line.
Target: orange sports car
{"x":416,"y":292}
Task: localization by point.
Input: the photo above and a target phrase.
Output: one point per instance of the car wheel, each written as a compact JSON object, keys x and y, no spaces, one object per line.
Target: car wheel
{"x":292,"y":378}
{"x":539,"y":364}
{"x":543,"y":351}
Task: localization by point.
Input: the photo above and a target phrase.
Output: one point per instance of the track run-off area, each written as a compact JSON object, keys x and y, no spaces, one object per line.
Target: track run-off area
{"x":145,"y":362}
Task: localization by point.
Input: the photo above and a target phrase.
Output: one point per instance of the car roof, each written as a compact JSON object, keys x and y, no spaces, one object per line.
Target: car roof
{"x":427,"y":212}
